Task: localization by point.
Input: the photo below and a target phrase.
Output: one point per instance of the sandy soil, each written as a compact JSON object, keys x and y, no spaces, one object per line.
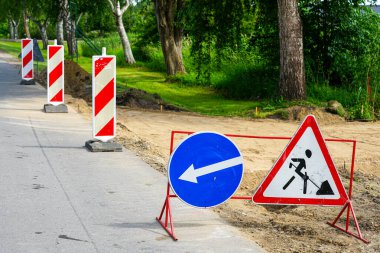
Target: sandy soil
{"x":277,"y":229}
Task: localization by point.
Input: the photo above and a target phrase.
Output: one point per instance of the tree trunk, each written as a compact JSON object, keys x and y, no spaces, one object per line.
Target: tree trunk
{"x":42,"y":25}
{"x":128,"y":55}
{"x":14,"y":28}
{"x":59,"y":25}
{"x":73,"y":38}
{"x":11,"y":30}
{"x":26,"y":24}
{"x":170,"y":34}
{"x":44,"y":37}
{"x":59,"y":30}
{"x":16,"y":24}
{"x":292,"y":69}
{"x":67,"y":27}
{"x":70,"y":28}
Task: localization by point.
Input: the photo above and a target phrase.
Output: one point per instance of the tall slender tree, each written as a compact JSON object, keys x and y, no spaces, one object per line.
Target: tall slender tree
{"x":25,"y":19}
{"x":59,"y":24}
{"x":118,"y":12}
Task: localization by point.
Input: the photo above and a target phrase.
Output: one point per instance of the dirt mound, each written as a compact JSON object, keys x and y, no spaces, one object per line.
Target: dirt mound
{"x":300,"y":112}
{"x":78,"y":84}
{"x":77,"y":81}
{"x":135,"y":98}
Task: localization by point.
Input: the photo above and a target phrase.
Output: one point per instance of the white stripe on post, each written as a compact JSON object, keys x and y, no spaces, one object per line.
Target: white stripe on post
{"x":104,"y":96}
{"x":55,"y":75}
{"x":27,"y":59}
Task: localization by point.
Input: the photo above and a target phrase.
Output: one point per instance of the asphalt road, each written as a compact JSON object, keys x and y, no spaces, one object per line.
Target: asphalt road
{"x":55,"y":196}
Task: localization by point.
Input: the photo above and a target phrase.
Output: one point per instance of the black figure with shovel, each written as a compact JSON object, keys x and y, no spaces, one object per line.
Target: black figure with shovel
{"x":325,"y":188}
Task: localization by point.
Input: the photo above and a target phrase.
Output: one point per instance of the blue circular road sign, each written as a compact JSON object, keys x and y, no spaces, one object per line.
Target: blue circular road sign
{"x":205,"y":169}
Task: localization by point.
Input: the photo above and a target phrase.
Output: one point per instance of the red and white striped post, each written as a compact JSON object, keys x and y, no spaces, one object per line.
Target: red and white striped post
{"x":104,"y":96}
{"x":55,"y":77}
{"x":27,"y":59}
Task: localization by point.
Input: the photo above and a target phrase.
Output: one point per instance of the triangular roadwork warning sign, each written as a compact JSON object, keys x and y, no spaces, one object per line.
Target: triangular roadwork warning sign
{"x":304,"y":174}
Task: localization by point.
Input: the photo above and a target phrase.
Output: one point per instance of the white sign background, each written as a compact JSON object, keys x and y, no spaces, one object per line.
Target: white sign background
{"x":316,"y":168}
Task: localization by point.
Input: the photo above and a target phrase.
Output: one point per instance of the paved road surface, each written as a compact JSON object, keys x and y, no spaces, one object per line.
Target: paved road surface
{"x":55,"y":196}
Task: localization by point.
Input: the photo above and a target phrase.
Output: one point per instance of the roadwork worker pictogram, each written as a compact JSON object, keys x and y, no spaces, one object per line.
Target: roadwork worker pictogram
{"x":325,"y":188}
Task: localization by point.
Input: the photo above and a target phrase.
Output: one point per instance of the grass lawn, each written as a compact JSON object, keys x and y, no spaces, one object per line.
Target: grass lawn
{"x":203,"y":100}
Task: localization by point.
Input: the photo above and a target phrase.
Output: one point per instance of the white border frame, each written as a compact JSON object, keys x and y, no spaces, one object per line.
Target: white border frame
{"x":109,"y":137}
{"x":63,"y":75}
{"x":22,"y":57}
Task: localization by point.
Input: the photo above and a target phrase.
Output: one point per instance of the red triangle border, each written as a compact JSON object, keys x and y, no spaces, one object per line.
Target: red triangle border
{"x":259,"y":197}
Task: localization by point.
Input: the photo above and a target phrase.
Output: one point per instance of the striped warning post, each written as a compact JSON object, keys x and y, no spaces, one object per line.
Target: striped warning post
{"x":103,"y":94}
{"x":27,"y":59}
{"x":55,"y":77}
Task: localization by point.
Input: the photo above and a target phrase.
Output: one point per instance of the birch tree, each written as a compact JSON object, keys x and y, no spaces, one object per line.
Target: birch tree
{"x":25,"y":20}
{"x":118,"y":12}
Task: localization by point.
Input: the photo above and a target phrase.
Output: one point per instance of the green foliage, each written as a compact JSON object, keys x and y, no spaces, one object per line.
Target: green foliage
{"x":214,"y":25}
{"x":141,"y":20}
{"x":4,"y":32}
{"x":97,"y":21}
{"x":150,"y":56}
{"x":112,"y":43}
{"x":342,"y":50}
{"x":265,"y":36}
{"x":318,"y":93}
{"x":248,"y":79}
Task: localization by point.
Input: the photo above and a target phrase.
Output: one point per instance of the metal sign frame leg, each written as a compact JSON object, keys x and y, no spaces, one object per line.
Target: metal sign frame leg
{"x":167,"y":224}
{"x":349,"y":206}
{"x":166,"y":207}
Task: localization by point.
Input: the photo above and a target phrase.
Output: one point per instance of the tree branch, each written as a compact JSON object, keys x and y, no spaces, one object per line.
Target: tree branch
{"x":38,"y":23}
{"x":112,"y":6}
{"x":125,"y":7}
{"x":79,"y":18}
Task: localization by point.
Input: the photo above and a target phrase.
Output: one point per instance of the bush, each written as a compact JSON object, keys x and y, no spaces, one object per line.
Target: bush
{"x":4,"y":32}
{"x":150,"y":56}
{"x":248,"y":81}
{"x":112,"y":44}
{"x":356,"y":101}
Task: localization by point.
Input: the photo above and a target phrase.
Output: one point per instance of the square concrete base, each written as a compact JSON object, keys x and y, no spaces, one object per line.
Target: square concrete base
{"x":27,"y":82}
{"x":99,"y":146}
{"x":62,"y":108}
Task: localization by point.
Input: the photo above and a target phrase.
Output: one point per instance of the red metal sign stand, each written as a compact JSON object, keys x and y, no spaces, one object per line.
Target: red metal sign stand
{"x":348,"y":204}
{"x":167,"y":222}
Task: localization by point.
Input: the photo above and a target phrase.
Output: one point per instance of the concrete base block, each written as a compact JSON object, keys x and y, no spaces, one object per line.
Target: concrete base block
{"x":99,"y":146}
{"x":62,"y":108}
{"x":27,"y":82}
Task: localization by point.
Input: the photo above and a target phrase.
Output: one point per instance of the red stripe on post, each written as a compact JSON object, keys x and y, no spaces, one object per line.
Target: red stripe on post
{"x":27,"y":59}
{"x":107,"y":130}
{"x":25,"y":43}
{"x":58,"y":97}
{"x":55,"y":74}
{"x":53,"y":50}
{"x":29,"y":75}
{"x":104,"y":96}
{"x":101,"y":64}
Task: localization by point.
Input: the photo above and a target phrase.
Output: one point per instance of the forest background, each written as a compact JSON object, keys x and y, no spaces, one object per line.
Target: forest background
{"x":232,"y":52}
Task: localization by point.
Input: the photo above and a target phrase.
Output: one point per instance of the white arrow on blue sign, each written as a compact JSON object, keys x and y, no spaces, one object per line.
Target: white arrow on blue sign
{"x":205,"y":169}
